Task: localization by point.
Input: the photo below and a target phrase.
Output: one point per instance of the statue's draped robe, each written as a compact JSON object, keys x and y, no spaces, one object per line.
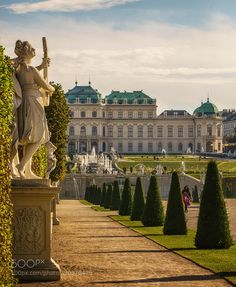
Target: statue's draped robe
{"x":31,"y":119}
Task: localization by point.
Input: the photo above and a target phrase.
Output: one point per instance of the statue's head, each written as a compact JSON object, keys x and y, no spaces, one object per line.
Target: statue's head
{"x":24,"y":50}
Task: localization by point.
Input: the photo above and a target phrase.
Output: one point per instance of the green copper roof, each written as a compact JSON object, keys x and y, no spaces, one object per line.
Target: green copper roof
{"x":128,"y":97}
{"x":206,"y":108}
{"x":82,"y":94}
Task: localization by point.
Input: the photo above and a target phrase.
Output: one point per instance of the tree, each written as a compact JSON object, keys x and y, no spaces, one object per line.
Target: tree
{"x":6,"y":122}
{"x":153,"y":211}
{"x":58,"y":118}
{"x":108,"y":197}
{"x":175,"y":221}
{"x":213,"y":225}
{"x":138,"y":203}
{"x":103,"y":195}
{"x":98,"y":196}
{"x":126,"y":199}
{"x":115,"y":199}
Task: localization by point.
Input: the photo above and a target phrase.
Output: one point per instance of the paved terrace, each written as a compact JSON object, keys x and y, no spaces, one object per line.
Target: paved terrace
{"x":93,"y":250}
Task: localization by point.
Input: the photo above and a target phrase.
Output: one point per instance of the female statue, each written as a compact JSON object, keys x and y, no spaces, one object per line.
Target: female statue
{"x":31,"y":129}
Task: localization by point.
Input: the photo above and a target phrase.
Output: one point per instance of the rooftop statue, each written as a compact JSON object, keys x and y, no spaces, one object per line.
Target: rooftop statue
{"x":30,"y":127}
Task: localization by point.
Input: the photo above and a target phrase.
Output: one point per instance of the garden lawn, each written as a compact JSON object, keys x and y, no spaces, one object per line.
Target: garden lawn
{"x":94,"y":207}
{"x":220,"y":261}
{"x":192,"y":163}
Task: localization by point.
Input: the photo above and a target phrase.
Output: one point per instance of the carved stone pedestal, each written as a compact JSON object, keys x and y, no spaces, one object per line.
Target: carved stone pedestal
{"x":32,"y":231}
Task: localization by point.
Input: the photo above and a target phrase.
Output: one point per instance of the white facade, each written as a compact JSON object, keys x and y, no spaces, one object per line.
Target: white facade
{"x":136,"y":128}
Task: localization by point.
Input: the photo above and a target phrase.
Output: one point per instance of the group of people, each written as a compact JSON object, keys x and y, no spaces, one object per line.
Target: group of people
{"x":186,"y":195}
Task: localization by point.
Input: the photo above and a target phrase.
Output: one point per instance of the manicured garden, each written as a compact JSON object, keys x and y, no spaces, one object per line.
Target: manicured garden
{"x":193,"y":164}
{"x":210,"y":245}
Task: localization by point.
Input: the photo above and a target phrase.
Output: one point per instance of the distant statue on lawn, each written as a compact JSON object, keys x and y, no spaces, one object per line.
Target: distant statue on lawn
{"x":30,"y":128}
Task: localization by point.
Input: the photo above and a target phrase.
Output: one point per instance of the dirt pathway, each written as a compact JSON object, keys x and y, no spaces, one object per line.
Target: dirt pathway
{"x":92,"y":250}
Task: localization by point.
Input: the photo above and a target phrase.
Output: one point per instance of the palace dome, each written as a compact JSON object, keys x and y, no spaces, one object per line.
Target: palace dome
{"x":206,"y":108}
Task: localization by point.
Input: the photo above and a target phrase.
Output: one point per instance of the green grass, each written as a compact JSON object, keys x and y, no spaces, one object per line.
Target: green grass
{"x":94,"y":207}
{"x":99,"y":208}
{"x":85,"y":202}
{"x":222,"y":262}
{"x":192,"y":164}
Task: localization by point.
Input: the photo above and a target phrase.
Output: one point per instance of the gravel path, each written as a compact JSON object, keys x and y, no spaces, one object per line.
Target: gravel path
{"x":93,"y":250}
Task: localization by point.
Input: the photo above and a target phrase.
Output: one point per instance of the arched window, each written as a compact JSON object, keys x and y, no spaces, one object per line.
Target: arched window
{"x":103,"y":131}
{"x":219,"y":130}
{"x":169,"y":146}
{"x":159,"y":147}
{"x":83,"y":131}
{"x":94,"y":131}
{"x":190,"y":145}
{"x":209,"y":130}
{"x":180,"y":147}
{"x":71,"y":131}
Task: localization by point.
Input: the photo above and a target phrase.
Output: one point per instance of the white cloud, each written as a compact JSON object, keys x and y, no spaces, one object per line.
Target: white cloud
{"x":64,"y":5}
{"x":178,"y":65}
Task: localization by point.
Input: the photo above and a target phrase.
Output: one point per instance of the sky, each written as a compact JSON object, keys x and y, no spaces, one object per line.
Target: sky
{"x":177,"y":51}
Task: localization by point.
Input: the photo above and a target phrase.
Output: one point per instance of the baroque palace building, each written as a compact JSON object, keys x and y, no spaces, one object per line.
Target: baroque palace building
{"x":128,"y":122}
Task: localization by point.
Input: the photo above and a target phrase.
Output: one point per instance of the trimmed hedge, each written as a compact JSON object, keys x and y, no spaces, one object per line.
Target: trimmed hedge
{"x":213,"y":226}
{"x":153,"y":211}
{"x":126,"y":199}
{"x":107,"y":202}
{"x":115,"y":199}
{"x":58,"y":118}
{"x":39,"y":162}
{"x":175,"y":221}
{"x":6,"y":120}
{"x":139,"y":203}
{"x":104,"y":190}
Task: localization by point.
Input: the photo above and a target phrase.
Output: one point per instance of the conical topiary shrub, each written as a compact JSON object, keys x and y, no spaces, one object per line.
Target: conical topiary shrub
{"x":138,"y":203}
{"x":108,"y":197}
{"x":195,"y":196}
{"x":103,"y":196}
{"x":115,"y":199}
{"x":175,"y":221}
{"x":98,"y":196}
{"x":86,"y":195}
{"x":153,"y":214}
{"x":213,"y":225}
{"x":126,"y":199}
{"x":94,"y":193}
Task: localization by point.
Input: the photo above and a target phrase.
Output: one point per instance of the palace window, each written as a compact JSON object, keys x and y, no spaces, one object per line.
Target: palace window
{"x":72,"y":114}
{"x":209,"y":130}
{"x":190,"y":132}
{"x":120,"y":115}
{"x":170,"y":132}
{"x":110,"y":131}
{"x":103,"y":131}
{"x":199,"y":130}
{"x":94,"y":114}
{"x":180,"y":132}
{"x":130,"y":131}
{"x":170,"y":146}
{"x":83,"y":114}
{"x":199,"y":148}
{"x":159,"y":147}
{"x":150,"y":147}
{"x":120,"y":147}
{"x":140,"y":147}
{"x":110,"y":115}
{"x":71,"y":131}
{"x":219,"y":131}
{"x":180,"y":147}
{"x":159,"y":132}
{"x":150,"y":131}
{"x":130,"y":147}
{"x":83,"y":131}
{"x":120,"y":132}
{"x":140,"y":131}
{"x":130,"y":114}
{"x":94,"y":131}
{"x":140,"y":115}
{"x":150,"y":115}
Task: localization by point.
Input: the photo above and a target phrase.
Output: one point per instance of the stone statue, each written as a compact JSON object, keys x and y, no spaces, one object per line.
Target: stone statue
{"x":30,"y":128}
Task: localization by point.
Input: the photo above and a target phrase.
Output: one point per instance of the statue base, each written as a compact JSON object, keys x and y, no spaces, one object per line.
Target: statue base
{"x":32,"y":230}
